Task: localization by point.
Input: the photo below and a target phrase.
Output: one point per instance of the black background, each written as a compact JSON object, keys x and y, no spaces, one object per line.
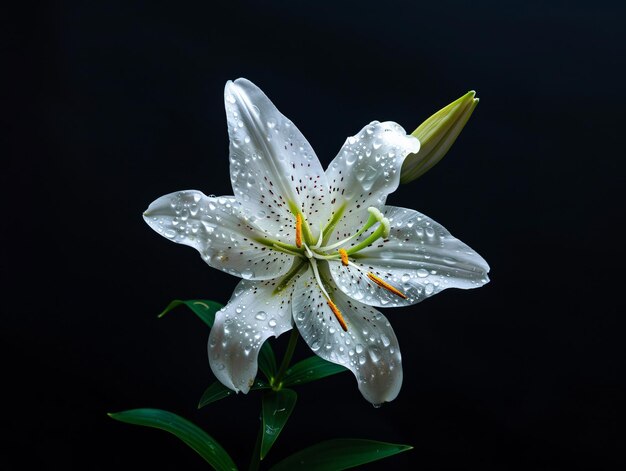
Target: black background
{"x":112,"y":104}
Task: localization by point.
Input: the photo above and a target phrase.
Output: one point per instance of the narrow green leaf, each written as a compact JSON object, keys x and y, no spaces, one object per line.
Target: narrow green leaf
{"x":213,"y":393}
{"x":267,"y":361}
{"x":277,"y":407}
{"x":310,"y":369}
{"x":335,"y":455}
{"x":203,"y":308}
{"x":218,"y":391}
{"x":188,"y":432}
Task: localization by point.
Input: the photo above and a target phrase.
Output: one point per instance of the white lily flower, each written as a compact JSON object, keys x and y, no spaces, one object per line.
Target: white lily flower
{"x":316,"y":250}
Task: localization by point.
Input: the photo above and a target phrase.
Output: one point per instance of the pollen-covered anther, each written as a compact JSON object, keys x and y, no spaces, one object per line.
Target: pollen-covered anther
{"x":337,"y":313}
{"x":344,"y":257}
{"x":298,"y":230}
{"x":384,"y":284}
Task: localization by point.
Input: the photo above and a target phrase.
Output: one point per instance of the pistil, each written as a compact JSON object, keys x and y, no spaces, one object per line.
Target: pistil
{"x":374,"y":217}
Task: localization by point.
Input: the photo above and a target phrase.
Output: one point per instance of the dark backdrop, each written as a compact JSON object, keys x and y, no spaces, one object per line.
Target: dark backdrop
{"x":112,"y":104}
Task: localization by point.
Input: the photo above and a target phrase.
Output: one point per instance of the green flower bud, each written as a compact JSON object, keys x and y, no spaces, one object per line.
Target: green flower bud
{"x":436,"y":136}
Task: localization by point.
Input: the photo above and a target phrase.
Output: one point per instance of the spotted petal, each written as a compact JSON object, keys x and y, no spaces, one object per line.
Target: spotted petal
{"x":365,"y":171}
{"x":420,"y":258}
{"x":253,"y":314}
{"x":272,"y":165}
{"x":369,"y":348}
{"x":215,"y":227}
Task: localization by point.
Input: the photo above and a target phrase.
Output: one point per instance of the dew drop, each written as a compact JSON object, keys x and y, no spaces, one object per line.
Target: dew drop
{"x":374,"y":354}
{"x":261,"y":316}
{"x":272,"y":322}
{"x":422,"y":273}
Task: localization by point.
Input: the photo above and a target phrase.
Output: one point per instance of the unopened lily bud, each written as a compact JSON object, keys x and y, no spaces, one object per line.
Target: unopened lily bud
{"x":436,"y":136}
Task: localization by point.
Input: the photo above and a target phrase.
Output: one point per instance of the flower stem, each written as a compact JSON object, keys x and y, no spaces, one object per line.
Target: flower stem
{"x":255,"y":459}
{"x":291,"y":347}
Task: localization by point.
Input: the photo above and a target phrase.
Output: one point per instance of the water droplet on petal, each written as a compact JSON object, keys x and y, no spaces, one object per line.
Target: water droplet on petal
{"x":374,"y":354}
{"x":261,"y":315}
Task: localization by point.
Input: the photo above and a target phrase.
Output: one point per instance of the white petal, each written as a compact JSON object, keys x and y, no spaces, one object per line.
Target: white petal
{"x":365,"y":171}
{"x":420,"y":258}
{"x":271,"y":163}
{"x":369,"y":348}
{"x":253,"y":314}
{"x":216,"y":228}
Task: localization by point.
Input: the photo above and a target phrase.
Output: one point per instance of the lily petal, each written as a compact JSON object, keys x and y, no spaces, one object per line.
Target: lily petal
{"x":253,"y":314}
{"x":272,"y":165}
{"x":369,"y":348}
{"x":365,"y":171}
{"x":215,"y":228}
{"x":419,"y":258}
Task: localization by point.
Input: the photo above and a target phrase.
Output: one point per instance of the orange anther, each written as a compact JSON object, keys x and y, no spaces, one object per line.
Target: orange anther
{"x":298,"y":230}
{"x":338,"y":315}
{"x":384,"y":284}
{"x":344,"y":257}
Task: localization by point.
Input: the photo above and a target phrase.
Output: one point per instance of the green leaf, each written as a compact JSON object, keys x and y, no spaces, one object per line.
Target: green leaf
{"x":310,"y":369}
{"x":277,"y":407}
{"x":267,"y":361}
{"x":335,"y":455}
{"x":203,"y":308}
{"x":188,"y":432}
{"x":218,"y":391}
{"x":213,"y":393}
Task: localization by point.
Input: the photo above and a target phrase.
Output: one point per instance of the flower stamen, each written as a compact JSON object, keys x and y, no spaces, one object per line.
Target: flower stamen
{"x":384,"y":284}
{"x":298,"y":230}
{"x":337,"y":313}
{"x":344,"y":257}
{"x":331,"y":304}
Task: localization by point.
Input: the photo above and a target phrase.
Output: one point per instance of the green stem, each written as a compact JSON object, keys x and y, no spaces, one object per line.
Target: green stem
{"x":291,"y":347}
{"x":255,"y":460}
